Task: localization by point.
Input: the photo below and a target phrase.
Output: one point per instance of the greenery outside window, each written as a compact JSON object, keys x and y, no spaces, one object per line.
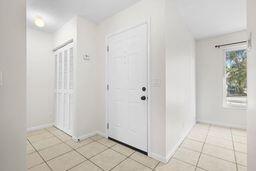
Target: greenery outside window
{"x":235,"y":77}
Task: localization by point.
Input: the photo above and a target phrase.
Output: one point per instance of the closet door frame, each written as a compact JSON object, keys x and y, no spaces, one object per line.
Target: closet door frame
{"x":64,"y":87}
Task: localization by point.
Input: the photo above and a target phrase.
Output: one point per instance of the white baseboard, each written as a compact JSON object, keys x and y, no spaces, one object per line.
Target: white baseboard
{"x":35,"y":128}
{"x":221,"y":124}
{"x":157,"y":157}
{"x":153,"y":155}
{"x":166,"y":158}
{"x":101,"y":134}
{"x":175,"y":148}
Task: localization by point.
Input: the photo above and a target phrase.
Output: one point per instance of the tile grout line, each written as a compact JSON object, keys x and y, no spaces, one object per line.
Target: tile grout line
{"x":61,"y":142}
{"x":127,"y":157}
{"x":190,"y":149}
{"x":234,"y":162}
{"x":44,"y":161}
{"x":54,"y":136}
{"x":220,"y":146}
{"x":73,"y":149}
{"x":80,"y":146}
{"x":41,"y":139}
{"x":180,"y":146}
{"x":217,"y":147}
{"x":234,"y":149}
{"x":140,"y":162}
{"x":78,"y":165}
{"x":49,"y":146}
{"x":59,"y":155}
{"x":226,"y":149}
{"x":122,"y":153}
{"x":108,"y":148}
{"x":187,"y":148}
{"x":87,"y":159}
{"x":185,"y":162}
{"x":211,"y":154}
{"x":156,"y":165}
{"x":203,"y":146}
{"x":65,"y":142}
{"x":189,"y":163}
{"x":37,"y":151}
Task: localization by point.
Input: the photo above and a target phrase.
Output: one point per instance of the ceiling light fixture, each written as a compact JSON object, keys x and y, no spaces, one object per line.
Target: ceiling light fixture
{"x":39,"y":22}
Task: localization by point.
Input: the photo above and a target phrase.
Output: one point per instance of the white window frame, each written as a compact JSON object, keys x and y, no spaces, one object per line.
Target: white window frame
{"x":226,"y":103}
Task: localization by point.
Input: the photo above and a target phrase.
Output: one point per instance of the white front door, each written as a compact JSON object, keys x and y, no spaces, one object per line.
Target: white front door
{"x":128,"y":86}
{"x":64,"y":87}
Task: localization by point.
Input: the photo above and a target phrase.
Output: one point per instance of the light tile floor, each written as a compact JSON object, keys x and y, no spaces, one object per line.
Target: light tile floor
{"x":207,"y":147}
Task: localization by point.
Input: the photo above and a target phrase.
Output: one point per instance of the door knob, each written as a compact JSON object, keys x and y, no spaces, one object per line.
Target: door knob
{"x":144,"y":88}
{"x":143,"y":98}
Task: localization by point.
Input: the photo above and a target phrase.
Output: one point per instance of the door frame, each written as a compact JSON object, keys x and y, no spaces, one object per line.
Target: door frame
{"x":67,"y":45}
{"x":148,"y":23}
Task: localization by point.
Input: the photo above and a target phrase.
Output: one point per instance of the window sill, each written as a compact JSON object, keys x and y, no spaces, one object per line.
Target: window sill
{"x":235,"y":106}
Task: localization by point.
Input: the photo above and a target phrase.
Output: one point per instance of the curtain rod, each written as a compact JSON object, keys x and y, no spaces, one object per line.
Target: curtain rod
{"x":228,"y":44}
{"x":63,"y":45}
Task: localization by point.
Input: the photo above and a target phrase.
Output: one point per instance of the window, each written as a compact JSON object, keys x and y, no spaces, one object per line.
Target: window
{"x":235,"y":77}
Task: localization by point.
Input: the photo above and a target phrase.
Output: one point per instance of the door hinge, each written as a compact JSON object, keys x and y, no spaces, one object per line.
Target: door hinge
{"x":107,"y":125}
{"x":108,"y":48}
{"x":107,"y":87}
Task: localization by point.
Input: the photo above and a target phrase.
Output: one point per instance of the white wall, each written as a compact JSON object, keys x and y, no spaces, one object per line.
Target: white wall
{"x":138,"y":13}
{"x":40,"y":79}
{"x":209,"y":73}
{"x":41,"y":73}
{"x":251,"y":119}
{"x":180,"y":79}
{"x":90,"y":76}
{"x":65,"y":33}
{"x":87,"y":81}
{"x":13,"y":91}
{"x":86,"y":96}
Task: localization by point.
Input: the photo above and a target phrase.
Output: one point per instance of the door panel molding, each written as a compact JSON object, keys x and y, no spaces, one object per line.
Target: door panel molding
{"x":108,"y":86}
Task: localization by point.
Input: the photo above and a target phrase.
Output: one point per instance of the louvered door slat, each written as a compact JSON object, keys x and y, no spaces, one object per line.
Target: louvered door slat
{"x":64,"y":87}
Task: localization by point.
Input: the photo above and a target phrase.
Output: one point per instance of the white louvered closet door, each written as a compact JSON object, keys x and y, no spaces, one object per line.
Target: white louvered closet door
{"x":64,"y":87}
